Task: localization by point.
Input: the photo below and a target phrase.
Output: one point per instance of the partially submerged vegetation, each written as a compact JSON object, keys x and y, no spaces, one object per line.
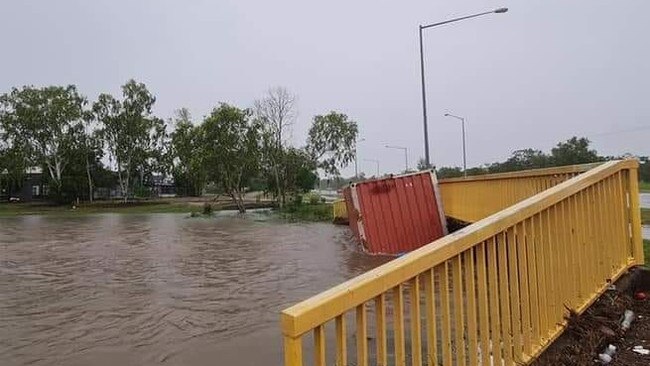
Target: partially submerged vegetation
{"x":308,"y":208}
{"x":317,"y":212}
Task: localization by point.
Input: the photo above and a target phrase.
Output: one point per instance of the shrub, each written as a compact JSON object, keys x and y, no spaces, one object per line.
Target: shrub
{"x":297,"y":200}
{"x":207,"y":209}
{"x":314,"y":199}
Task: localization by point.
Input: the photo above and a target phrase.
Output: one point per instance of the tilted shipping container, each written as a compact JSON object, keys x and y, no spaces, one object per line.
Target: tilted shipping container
{"x":397,"y":214}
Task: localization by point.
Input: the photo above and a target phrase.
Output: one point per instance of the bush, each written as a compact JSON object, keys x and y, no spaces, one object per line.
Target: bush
{"x":297,"y":200}
{"x":207,"y":209}
{"x":314,"y":199}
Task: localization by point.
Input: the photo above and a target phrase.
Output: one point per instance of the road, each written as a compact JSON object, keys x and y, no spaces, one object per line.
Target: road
{"x":645,"y":203}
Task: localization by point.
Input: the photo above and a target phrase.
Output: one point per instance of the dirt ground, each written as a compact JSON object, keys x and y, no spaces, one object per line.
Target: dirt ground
{"x":588,"y":335}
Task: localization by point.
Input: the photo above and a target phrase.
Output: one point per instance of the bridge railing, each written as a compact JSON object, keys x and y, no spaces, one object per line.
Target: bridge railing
{"x":494,"y":292}
{"x":339,"y":210}
{"x":476,"y":197}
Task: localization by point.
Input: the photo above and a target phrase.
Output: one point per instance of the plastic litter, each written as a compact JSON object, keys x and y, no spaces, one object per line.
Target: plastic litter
{"x":610,"y":350}
{"x":640,"y":350}
{"x":628,"y":317}
{"x":605,"y":358}
{"x":608,"y":354}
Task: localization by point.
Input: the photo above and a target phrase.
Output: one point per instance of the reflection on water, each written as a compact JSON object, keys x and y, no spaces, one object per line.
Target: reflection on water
{"x":149,"y":289}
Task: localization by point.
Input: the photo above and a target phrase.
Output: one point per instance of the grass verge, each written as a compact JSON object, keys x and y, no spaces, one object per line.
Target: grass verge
{"x":646,"y":251}
{"x":21,"y":209}
{"x":644,"y":187}
{"x":645,"y":216}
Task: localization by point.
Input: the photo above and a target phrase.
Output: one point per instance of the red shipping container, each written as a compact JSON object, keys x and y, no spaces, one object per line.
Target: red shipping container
{"x":396,"y":215}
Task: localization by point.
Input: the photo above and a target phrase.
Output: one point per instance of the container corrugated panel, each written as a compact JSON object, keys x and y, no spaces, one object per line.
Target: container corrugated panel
{"x":398,"y":214}
{"x":353,"y":213}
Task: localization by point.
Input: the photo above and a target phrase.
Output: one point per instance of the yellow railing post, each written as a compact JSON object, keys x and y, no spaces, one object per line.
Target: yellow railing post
{"x":635,"y":216}
{"x":292,"y":351}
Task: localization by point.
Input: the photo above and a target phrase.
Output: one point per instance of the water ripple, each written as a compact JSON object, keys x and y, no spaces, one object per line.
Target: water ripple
{"x":150,"y":289}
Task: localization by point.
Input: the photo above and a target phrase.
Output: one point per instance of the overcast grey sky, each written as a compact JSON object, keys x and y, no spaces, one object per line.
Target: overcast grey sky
{"x":544,"y":71}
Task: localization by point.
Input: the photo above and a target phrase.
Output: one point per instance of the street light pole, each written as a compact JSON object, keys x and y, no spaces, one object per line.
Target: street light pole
{"x":406,"y":154}
{"x":424,"y":94}
{"x":462,"y":120}
{"x":356,"y":158}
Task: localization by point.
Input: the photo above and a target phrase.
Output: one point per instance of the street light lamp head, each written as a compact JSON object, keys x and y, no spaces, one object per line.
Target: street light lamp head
{"x":501,"y":10}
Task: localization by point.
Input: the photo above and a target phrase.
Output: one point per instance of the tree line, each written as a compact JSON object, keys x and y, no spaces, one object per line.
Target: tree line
{"x":576,"y":150}
{"x":82,"y":145}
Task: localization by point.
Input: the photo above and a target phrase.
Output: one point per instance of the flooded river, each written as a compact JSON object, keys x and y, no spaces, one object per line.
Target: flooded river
{"x":160,"y":289}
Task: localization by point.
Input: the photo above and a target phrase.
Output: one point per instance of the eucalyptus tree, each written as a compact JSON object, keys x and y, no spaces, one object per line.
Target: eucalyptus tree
{"x":131,"y":134}
{"x":277,"y":112}
{"x":232,"y":150}
{"x":186,"y":155}
{"x":332,"y":141}
{"x":45,"y":120}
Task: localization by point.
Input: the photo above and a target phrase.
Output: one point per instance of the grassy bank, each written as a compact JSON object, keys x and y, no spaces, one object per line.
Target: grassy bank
{"x":644,"y":187}
{"x":307,"y":212}
{"x":645,"y":216}
{"x":646,"y":251}
{"x":21,"y":209}
{"x":304,"y":212}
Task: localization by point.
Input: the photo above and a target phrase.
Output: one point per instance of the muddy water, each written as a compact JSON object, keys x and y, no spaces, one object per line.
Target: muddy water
{"x":160,"y":289}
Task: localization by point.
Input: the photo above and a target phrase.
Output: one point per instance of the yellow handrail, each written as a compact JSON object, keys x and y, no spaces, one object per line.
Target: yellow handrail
{"x":476,"y":197}
{"x":339,"y":211}
{"x":495,"y":290}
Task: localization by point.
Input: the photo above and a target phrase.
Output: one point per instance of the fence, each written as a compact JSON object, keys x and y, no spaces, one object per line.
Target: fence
{"x":492,"y":293}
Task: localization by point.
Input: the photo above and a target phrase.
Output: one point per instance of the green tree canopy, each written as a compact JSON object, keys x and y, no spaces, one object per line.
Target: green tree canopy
{"x":45,"y":120}
{"x":332,"y":141}
{"x":232,"y":150}
{"x":187,"y":155}
{"x":133,"y":136}
{"x":574,"y":151}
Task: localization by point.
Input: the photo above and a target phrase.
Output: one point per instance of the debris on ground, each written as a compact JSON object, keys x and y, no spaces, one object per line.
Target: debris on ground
{"x":615,"y":330}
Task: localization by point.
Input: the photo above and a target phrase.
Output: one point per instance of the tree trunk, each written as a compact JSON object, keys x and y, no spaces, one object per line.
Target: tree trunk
{"x":238,"y":201}
{"x":125,"y":189}
{"x":90,"y":181}
{"x":280,"y":195}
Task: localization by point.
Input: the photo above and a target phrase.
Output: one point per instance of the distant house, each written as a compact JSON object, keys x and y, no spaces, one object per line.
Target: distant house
{"x":162,"y":186}
{"x":34,"y":187}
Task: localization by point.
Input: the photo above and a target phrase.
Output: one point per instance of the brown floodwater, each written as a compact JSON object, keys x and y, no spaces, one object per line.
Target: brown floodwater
{"x":162,"y":288}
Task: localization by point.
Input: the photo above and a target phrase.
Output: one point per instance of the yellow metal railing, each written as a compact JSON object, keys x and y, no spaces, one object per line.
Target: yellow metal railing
{"x":339,"y":211}
{"x":476,"y":197}
{"x":492,"y":293}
